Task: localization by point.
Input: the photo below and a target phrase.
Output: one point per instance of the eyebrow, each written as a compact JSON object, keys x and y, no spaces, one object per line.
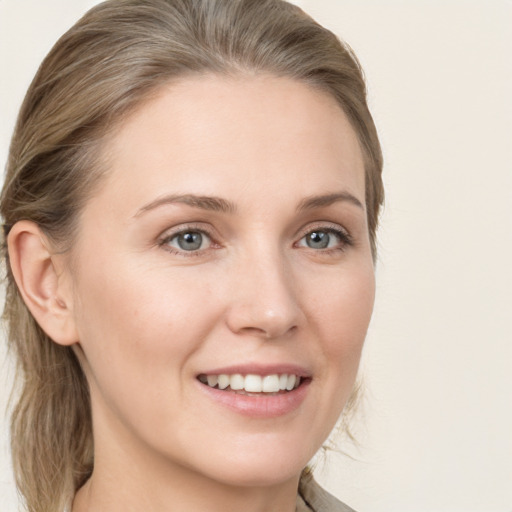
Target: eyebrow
{"x":210,"y":203}
{"x":320,"y":201}
{"x":217,"y":204}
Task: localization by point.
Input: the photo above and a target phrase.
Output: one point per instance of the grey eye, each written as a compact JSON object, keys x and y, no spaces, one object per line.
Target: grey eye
{"x":324,"y":239}
{"x":318,"y":239}
{"x":189,"y":241}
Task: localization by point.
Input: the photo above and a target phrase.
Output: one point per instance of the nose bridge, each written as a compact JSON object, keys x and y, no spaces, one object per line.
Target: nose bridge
{"x":264,"y":301}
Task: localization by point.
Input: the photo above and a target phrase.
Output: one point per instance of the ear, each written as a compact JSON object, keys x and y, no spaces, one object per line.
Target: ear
{"x":43,"y":281}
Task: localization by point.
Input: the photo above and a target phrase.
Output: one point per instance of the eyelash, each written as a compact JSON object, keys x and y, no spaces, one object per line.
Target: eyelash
{"x":345,"y":240}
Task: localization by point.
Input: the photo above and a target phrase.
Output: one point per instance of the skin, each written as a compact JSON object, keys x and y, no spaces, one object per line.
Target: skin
{"x":147,"y":317}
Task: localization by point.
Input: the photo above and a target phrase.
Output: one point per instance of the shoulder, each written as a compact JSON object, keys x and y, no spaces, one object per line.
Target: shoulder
{"x":312,"y":498}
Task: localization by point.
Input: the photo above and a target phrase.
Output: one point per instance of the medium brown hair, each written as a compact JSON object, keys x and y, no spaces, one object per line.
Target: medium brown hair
{"x":107,"y":64}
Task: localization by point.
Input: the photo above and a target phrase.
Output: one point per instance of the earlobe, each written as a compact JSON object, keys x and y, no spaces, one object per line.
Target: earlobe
{"x":41,"y":282}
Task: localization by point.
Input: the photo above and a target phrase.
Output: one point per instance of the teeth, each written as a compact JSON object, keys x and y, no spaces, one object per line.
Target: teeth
{"x":236,"y":382}
{"x":212,"y":380}
{"x":271,"y":384}
{"x":291,"y":382}
{"x":223,"y":381}
{"x":253,"y":383}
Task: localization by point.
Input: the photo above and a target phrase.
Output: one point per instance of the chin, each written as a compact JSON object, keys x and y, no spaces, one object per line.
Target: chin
{"x":266,"y":475}
{"x":258,"y":465}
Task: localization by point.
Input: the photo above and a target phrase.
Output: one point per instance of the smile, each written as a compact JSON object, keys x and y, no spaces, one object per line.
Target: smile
{"x":252,"y":383}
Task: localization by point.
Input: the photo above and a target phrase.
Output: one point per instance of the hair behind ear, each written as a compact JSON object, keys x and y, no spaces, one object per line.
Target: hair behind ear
{"x":51,"y":426}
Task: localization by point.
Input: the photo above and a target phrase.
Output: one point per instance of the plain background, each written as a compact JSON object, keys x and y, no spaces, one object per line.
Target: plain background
{"x":436,"y":428}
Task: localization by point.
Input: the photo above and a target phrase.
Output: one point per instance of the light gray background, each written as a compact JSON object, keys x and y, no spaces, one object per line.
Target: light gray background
{"x":437,"y":431}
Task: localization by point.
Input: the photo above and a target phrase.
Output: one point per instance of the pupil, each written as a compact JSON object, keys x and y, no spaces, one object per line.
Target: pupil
{"x":190,"y":241}
{"x":318,"y":240}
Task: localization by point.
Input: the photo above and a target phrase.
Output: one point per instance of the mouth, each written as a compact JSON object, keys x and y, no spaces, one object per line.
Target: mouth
{"x":253,"y":384}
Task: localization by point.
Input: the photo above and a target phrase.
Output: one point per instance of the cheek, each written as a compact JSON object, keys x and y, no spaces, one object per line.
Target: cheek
{"x":344,"y":308}
{"x":339,"y":315}
{"x":342,"y":317}
{"x":138,"y":331}
{"x":131,"y":319}
{"x":130,"y":300}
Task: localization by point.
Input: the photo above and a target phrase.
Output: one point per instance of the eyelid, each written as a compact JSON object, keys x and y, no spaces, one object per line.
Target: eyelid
{"x":323,"y":225}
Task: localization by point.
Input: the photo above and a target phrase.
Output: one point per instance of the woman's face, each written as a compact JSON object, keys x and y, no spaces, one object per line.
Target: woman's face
{"x":228,"y":238}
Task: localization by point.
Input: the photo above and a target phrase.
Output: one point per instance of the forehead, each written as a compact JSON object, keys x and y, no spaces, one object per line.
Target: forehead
{"x":202,"y":133}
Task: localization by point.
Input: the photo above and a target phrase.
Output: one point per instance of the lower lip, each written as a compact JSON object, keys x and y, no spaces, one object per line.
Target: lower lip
{"x":259,"y":406}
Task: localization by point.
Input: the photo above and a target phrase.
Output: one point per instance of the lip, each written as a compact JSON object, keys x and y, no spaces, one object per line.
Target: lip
{"x":259,"y":369}
{"x":259,"y":405}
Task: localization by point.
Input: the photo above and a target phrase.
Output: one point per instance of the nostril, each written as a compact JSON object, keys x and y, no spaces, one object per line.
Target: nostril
{"x":267,"y":333}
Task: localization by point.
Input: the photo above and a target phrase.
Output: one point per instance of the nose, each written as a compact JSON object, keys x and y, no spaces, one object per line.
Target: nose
{"x":263,"y":298}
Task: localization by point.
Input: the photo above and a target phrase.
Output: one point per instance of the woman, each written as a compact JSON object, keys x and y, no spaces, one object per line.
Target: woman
{"x":190,"y":208}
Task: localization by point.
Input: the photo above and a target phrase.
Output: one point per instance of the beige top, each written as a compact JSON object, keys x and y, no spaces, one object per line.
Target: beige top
{"x":312,"y":498}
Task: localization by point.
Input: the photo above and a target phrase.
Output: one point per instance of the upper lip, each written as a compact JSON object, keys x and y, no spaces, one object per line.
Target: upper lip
{"x":259,"y":369}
